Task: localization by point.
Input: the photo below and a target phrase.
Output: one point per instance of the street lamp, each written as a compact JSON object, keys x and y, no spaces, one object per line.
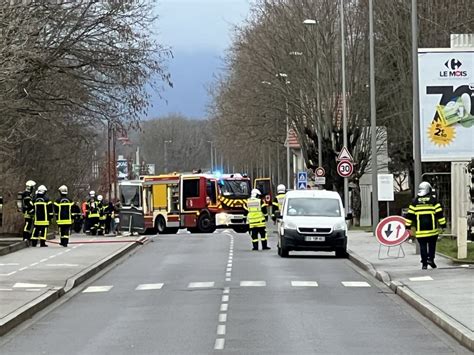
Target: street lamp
{"x":344,"y":107}
{"x":212,"y":154}
{"x":165,"y":144}
{"x":311,"y":22}
{"x":284,"y":78}
{"x":416,"y":103}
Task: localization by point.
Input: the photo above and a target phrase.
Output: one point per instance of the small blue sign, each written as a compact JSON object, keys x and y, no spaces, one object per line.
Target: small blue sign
{"x":302,"y":176}
{"x":302,"y":185}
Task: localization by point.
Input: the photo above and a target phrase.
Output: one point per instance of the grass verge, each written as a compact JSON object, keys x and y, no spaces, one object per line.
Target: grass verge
{"x":449,"y":247}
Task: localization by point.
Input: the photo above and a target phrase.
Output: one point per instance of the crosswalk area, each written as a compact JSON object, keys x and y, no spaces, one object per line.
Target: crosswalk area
{"x":293,"y":284}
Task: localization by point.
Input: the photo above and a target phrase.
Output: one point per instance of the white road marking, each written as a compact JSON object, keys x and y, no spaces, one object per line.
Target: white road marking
{"x":27,"y":285}
{"x":10,"y":264}
{"x":23,"y":268}
{"x":52,"y":256}
{"x":200,"y":284}
{"x":228,"y":274}
{"x":229,"y":264}
{"x":34,"y":264}
{"x":43,"y":260}
{"x":9,"y":274}
{"x":227,"y":278}
{"x":33,"y":289}
{"x":219,"y":345}
{"x":62,"y":265}
{"x":223,"y":317}
{"x":304,"y":284}
{"x":67,"y":251}
{"x":224,"y":307}
{"x":253,"y":283}
{"x":464,"y":265}
{"x":226,"y":290}
{"x":221,"y":329}
{"x":225,"y":298}
{"x":229,"y":269}
{"x":6,"y":289}
{"x":355,"y":284}
{"x":421,"y":278}
{"x":144,"y":287}
{"x":93,"y":289}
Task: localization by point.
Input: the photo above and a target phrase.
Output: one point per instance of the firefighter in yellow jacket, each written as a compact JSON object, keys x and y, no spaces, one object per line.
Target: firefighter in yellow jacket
{"x":425,"y":215}
{"x":43,"y":214}
{"x":63,"y":209}
{"x":278,"y":200}
{"x":256,"y":219}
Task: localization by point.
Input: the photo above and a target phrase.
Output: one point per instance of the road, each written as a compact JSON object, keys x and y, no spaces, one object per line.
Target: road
{"x":203,"y":294}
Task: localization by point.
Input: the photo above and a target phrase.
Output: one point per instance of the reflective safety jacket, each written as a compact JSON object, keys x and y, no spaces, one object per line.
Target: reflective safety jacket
{"x":28,"y":208}
{"x":92,"y":208}
{"x":277,"y":204}
{"x":426,"y":215}
{"x":63,"y":211}
{"x":43,"y":210}
{"x":257,"y":212}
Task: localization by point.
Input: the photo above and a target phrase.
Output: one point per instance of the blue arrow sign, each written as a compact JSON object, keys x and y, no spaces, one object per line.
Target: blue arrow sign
{"x":302,"y":185}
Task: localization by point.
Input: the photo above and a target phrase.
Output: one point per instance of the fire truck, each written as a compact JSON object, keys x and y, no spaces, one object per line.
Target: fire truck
{"x":198,"y":202}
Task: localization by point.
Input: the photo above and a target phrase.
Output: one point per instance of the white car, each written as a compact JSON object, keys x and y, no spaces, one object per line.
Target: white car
{"x":312,"y":220}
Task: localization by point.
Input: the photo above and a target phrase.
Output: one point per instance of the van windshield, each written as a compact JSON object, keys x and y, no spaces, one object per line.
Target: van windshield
{"x":321,"y":207}
{"x":130,"y":195}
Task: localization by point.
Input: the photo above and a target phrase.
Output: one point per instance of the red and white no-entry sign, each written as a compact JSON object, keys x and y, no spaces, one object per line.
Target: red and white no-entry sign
{"x":391,"y":231}
{"x":320,"y":171}
{"x":345,"y":168}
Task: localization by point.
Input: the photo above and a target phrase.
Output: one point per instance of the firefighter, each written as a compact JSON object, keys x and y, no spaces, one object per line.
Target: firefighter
{"x":77,"y":216}
{"x":28,"y":209}
{"x":92,"y":213}
{"x":102,"y":214}
{"x":278,"y":200}
{"x":43,"y":214}
{"x":63,"y":210}
{"x":425,"y":215}
{"x":256,"y":218}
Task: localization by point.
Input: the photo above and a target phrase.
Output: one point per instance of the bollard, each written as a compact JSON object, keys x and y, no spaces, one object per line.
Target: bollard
{"x":462,"y":238}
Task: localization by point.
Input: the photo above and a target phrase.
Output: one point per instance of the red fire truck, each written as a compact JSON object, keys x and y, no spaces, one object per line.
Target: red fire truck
{"x":199,"y":202}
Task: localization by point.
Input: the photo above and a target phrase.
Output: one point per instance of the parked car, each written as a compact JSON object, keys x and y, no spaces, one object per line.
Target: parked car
{"x":312,"y":220}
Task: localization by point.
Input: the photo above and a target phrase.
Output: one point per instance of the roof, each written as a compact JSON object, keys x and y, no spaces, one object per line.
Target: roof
{"x":293,"y":139}
{"x":312,"y":193}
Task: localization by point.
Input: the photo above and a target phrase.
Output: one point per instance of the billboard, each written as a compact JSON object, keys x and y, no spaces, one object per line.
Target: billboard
{"x":122,"y":169}
{"x":446,"y":79}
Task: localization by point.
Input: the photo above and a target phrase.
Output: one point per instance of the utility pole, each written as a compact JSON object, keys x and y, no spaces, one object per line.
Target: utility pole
{"x":416,"y":104}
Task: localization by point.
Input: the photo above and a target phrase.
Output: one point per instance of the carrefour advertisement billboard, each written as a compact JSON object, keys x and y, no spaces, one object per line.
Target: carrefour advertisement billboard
{"x":446,"y":104}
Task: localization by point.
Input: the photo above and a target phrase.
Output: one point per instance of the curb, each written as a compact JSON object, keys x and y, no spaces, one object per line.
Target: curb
{"x":13,"y":247}
{"x":30,"y":309}
{"x":457,"y":330}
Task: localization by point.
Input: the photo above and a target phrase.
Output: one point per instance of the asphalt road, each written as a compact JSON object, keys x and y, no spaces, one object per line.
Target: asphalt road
{"x":203,"y":294}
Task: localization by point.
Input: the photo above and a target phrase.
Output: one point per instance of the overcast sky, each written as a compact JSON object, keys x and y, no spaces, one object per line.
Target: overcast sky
{"x":198,"y":31}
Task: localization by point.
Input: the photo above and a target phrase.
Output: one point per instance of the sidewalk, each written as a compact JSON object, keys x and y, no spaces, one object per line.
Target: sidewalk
{"x":445,"y":295}
{"x":33,"y":278}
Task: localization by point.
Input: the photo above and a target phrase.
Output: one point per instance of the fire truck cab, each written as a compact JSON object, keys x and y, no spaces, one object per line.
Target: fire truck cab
{"x":199,"y":202}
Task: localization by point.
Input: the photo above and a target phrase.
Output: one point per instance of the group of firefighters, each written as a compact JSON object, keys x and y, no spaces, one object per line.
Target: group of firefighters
{"x":39,"y":211}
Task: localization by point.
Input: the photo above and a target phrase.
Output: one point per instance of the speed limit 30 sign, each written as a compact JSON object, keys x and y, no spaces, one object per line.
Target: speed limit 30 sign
{"x":345,"y":168}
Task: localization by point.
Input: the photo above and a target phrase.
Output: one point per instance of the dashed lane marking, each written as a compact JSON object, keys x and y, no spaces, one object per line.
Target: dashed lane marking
{"x":421,"y":278}
{"x":355,"y":284}
{"x":145,"y":287}
{"x":253,"y":283}
{"x":10,"y":264}
{"x":304,"y":284}
{"x":221,"y":329}
{"x":225,"y":298}
{"x":226,"y":290}
{"x":6,"y":289}
{"x":9,"y":274}
{"x":62,"y":265}
{"x":219,"y":345}
{"x":27,"y":285}
{"x":224,"y":307}
{"x":23,"y":268}
{"x":223,"y":317}
{"x":94,"y":289}
{"x":201,"y":284}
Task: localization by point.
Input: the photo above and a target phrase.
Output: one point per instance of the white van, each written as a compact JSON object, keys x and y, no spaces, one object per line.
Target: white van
{"x":312,"y":220}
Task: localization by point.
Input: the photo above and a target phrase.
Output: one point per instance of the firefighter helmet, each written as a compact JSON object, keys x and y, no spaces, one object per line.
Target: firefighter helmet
{"x":92,"y":193}
{"x":41,"y":190}
{"x":281,"y":189}
{"x":424,"y":189}
{"x":63,"y":189}
{"x":100,"y":198}
{"x":255,"y":193}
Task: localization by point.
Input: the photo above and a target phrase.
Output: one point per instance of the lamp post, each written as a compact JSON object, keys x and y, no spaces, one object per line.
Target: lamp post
{"x":165,"y":144}
{"x":311,"y":22}
{"x":212,"y":154}
{"x":284,"y":78}
{"x":416,"y":111}
{"x":373,"y":122}
{"x":344,"y":108}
